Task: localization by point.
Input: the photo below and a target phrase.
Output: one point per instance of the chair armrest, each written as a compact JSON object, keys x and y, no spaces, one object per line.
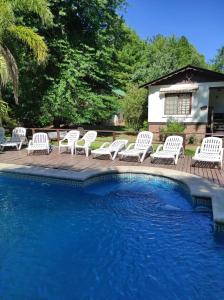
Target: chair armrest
{"x":197,"y":150}
{"x":61,"y":141}
{"x":159,"y":148}
{"x":221,"y":153}
{"x":104,"y":144}
{"x":130,"y":146}
{"x":77,"y":142}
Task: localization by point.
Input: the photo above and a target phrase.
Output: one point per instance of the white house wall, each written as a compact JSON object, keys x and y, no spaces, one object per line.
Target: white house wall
{"x":200,"y":98}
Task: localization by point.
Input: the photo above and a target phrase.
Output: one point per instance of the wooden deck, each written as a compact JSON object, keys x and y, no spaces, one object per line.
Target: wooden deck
{"x":80,"y":163}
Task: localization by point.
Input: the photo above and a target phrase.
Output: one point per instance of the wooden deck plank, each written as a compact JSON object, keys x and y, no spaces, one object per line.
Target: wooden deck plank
{"x":80,"y":163}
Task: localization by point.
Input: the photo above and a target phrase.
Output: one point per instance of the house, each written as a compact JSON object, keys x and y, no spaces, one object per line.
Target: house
{"x":192,"y":95}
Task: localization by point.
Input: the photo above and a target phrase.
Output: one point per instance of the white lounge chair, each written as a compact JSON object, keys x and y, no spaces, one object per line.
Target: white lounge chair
{"x":2,"y":135}
{"x":172,"y":149}
{"x":39,"y":142}
{"x":140,"y":148}
{"x":69,"y":140}
{"x":85,"y":142}
{"x":110,"y":149}
{"x":17,"y":140}
{"x":210,"y":151}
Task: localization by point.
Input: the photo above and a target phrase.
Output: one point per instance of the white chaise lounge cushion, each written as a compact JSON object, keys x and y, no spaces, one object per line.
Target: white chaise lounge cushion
{"x":140,"y":148}
{"x":210,"y":151}
{"x":172,"y":148}
{"x":17,"y":139}
{"x":109,"y":149}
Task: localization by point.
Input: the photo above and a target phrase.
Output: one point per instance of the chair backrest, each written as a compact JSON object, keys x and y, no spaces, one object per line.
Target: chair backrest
{"x":173,"y":143}
{"x":2,"y":134}
{"x":211,"y":145}
{"x":72,"y":136}
{"x":18,"y":134}
{"x":118,"y":145}
{"x":40,"y":138}
{"x":89,"y":137}
{"x":144,"y":139}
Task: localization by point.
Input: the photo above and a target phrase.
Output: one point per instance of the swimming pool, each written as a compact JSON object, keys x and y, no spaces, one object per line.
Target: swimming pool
{"x":118,"y":237}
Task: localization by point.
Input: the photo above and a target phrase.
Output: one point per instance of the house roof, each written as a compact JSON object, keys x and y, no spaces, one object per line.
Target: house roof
{"x":186,"y":74}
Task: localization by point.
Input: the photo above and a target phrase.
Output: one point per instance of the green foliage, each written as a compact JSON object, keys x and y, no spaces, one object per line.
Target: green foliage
{"x":218,"y":61}
{"x":142,"y":61}
{"x":4,"y":109}
{"x":4,"y":74}
{"x":71,"y":98}
{"x":172,"y":126}
{"x":39,"y":7}
{"x":135,"y":106}
{"x":11,"y":29}
{"x":193,"y":139}
{"x":145,"y":126}
{"x":32,"y":39}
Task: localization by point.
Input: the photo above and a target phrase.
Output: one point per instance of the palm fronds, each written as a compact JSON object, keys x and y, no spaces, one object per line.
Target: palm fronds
{"x":6,"y":16}
{"x":4,"y":73}
{"x":9,"y":30}
{"x":39,"y":7}
{"x":12,"y":70}
{"x":32,"y":39}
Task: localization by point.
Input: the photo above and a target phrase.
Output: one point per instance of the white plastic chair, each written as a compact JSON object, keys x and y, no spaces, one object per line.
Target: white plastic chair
{"x":69,"y":140}
{"x":17,"y":140}
{"x":109,"y":149}
{"x":140,"y":148}
{"x":210,"y":151}
{"x":87,"y":140}
{"x":39,"y":142}
{"x":172,"y":149}
{"x":2,"y":135}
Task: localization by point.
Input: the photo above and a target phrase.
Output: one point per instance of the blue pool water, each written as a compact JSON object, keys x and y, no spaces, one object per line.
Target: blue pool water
{"x":119,"y":238}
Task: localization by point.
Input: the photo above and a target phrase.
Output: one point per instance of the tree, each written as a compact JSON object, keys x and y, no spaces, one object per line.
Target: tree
{"x":135,"y":106}
{"x":218,"y":61}
{"x":76,"y":85}
{"x":142,"y":61}
{"x":12,"y":14}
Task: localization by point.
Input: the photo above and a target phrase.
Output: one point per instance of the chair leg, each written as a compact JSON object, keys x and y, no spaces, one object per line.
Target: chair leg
{"x":72,"y":151}
{"x":176,"y":159}
{"x":143,"y":157}
{"x":114,"y":156}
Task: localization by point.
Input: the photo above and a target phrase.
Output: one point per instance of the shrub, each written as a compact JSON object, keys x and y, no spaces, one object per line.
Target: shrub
{"x":192,"y":139}
{"x":145,"y":126}
{"x":172,"y":126}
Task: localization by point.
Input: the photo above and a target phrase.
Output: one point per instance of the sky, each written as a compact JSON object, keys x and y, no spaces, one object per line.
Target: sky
{"x":201,"y":21}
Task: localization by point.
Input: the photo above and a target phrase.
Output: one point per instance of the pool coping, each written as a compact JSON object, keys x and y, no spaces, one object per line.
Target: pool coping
{"x":198,"y":186}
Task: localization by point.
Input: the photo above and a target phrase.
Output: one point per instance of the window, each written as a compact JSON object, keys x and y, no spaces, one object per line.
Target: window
{"x":178,"y":104}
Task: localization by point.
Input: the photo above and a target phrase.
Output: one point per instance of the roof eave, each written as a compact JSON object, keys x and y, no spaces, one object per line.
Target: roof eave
{"x":188,"y":67}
